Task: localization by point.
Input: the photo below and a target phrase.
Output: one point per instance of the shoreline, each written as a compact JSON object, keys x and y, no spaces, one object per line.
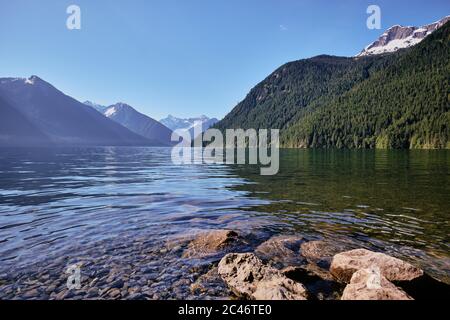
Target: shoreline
{"x":185,"y":268}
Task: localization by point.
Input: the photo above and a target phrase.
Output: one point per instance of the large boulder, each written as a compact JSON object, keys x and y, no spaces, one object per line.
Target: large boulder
{"x":213,"y":243}
{"x":345,"y":264}
{"x":249,"y":278}
{"x":281,"y":251}
{"x":370,"y":284}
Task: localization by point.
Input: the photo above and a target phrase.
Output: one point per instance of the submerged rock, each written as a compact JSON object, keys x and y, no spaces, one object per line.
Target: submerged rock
{"x":345,"y":264}
{"x":370,"y":284}
{"x":281,"y":251}
{"x":320,"y":252}
{"x":249,"y":278}
{"x":210,"y":284}
{"x":213,"y":242}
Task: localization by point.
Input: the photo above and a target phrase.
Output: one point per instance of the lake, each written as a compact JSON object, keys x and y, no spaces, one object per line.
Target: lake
{"x":115,"y":210}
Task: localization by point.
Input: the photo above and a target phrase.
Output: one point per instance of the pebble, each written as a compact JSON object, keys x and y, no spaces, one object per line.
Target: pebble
{"x":114,"y":293}
{"x":117,"y":284}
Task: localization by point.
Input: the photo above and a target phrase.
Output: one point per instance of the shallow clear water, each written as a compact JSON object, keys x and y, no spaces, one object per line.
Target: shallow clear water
{"x":77,"y":204}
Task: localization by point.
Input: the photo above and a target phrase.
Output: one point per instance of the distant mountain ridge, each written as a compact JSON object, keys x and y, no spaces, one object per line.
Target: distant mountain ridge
{"x":375,"y":100}
{"x":137,"y":122}
{"x":400,"y":37}
{"x":199,"y":124}
{"x":100,"y":108}
{"x":49,"y":117}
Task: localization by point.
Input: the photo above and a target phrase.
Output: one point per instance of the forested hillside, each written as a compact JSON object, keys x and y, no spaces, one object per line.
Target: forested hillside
{"x":399,"y":100}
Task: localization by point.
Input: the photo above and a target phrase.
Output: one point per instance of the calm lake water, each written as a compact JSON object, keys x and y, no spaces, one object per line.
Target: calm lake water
{"x":111,"y":204}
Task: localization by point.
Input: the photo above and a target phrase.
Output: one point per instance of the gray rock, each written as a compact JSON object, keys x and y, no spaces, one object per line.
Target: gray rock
{"x":209,"y":282}
{"x":369,"y":284}
{"x":249,"y":278}
{"x":117,"y":284}
{"x":212,"y":243}
{"x":136,"y":296}
{"x":345,"y":264}
{"x":320,"y":252}
{"x":114,"y":293}
{"x":281,"y":251}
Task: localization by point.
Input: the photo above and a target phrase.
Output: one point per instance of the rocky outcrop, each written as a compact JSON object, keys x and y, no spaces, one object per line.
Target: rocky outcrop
{"x":370,"y":284}
{"x":249,"y":278}
{"x":212,"y":243}
{"x":291,"y":268}
{"x":400,"y":37}
{"x":345,"y":264}
{"x":281,"y":251}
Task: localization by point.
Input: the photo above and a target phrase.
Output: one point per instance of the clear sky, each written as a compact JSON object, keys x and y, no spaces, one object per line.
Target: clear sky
{"x":184,"y":57}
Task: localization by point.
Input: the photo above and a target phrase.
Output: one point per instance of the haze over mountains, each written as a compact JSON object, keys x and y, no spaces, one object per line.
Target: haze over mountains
{"x":395,"y":100}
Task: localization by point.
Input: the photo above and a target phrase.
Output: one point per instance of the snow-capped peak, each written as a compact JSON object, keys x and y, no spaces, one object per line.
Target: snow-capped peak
{"x":32,"y":80}
{"x":110,"y":112}
{"x":8,"y":80}
{"x":400,"y":37}
{"x":122,"y":105}
{"x":185,"y":124}
{"x":115,"y":109}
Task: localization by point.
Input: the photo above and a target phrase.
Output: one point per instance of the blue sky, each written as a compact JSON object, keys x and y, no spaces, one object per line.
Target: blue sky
{"x":184,"y":57}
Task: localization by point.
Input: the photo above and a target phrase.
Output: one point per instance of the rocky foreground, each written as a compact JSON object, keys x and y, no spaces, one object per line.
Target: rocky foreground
{"x":225,"y":264}
{"x":292,"y":268}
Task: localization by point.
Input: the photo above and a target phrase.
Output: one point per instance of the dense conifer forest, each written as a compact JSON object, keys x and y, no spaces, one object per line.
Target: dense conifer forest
{"x":398,"y":100}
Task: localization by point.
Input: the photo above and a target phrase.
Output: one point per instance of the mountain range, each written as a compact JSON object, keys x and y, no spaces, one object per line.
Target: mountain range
{"x":391,"y":100}
{"x":199,"y":124}
{"x":96,"y":106}
{"x":35,"y":113}
{"x":135,"y":121}
{"x":394,"y":94}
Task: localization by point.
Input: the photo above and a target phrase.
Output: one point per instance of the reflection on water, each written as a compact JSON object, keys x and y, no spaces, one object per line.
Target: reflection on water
{"x":64,"y":202}
{"x":53,"y":199}
{"x":394,"y":201}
